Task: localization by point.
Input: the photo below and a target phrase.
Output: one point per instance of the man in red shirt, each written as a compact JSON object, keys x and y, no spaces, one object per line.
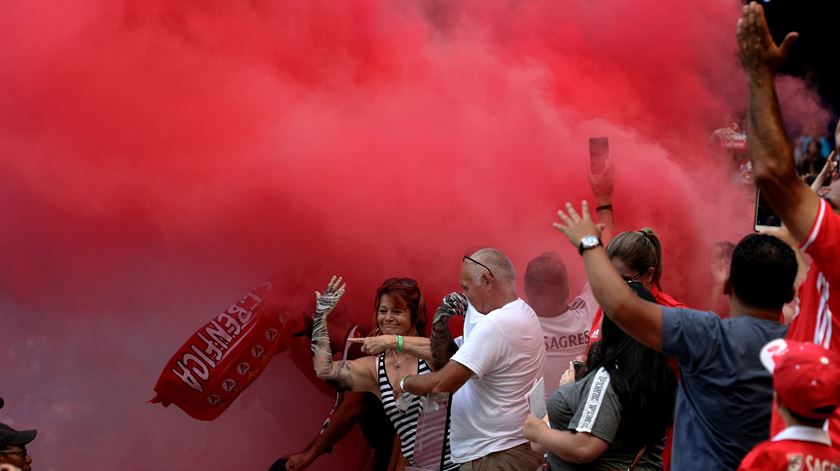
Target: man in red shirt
{"x":806,"y":378}
{"x":809,"y":219}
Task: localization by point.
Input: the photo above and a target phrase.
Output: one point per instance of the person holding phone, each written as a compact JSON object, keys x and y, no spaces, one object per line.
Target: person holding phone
{"x":811,"y":220}
{"x":616,"y":416}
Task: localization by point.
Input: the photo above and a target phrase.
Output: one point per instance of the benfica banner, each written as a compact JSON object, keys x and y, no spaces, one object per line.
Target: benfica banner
{"x":227,"y":354}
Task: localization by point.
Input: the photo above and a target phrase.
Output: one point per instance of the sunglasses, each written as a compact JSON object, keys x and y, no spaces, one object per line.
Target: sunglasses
{"x":20,"y":451}
{"x":407,"y":282}
{"x":631,"y":279}
{"x":467,"y":257}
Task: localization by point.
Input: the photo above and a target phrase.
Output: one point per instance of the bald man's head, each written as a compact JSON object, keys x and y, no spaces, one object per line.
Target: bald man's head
{"x":496,"y":262}
{"x":488,"y":279}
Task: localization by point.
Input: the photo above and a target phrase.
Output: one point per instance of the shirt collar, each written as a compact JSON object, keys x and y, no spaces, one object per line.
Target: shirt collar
{"x":803,"y":434}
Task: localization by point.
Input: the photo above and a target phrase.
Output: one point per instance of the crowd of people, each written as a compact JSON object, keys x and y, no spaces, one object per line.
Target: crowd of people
{"x":633,"y":378}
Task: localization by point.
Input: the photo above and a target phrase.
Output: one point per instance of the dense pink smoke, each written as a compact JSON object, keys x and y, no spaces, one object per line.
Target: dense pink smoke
{"x":159,"y":159}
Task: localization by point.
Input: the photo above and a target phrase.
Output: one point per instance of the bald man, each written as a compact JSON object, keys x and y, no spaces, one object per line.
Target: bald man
{"x":501,"y":358}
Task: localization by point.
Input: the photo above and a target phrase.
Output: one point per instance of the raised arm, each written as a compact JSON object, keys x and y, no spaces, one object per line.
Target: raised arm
{"x":602,"y":187}
{"x":346,"y":375}
{"x":774,"y":168}
{"x":640,"y":319}
{"x":442,"y":345}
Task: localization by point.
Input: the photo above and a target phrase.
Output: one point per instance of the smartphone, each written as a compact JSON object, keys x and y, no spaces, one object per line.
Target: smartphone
{"x":599,"y":152}
{"x":765,"y":217}
{"x":580,"y":369}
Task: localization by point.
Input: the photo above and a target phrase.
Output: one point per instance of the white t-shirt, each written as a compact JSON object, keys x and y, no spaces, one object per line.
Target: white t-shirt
{"x":506,"y":353}
{"x":566,"y":337}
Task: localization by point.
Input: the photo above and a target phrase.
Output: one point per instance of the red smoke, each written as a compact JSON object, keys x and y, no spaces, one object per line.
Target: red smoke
{"x":159,"y":159}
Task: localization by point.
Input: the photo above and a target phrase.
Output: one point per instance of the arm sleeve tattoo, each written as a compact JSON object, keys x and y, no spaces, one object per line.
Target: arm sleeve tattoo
{"x":443,"y":347}
{"x":338,"y":372}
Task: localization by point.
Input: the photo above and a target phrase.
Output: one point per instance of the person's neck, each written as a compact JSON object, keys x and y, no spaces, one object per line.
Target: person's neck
{"x":738,"y":309}
{"x":563,"y":309}
{"x":503,"y":298}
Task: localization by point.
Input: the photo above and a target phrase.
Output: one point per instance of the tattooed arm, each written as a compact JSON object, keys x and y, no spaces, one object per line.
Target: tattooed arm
{"x":345,"y":375}
{"x":443,"y":347}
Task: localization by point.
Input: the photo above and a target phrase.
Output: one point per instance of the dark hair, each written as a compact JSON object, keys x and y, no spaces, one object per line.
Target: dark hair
{"x":762,"y":272}
{"x":641,"y":377}
{"x":279,"y":465}
{"x":639,"y":250}
{"x":546,"y":274}
{"x":409,"y":293}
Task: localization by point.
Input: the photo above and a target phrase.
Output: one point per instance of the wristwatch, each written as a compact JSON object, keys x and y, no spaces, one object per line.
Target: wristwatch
{"x":588,"y":242}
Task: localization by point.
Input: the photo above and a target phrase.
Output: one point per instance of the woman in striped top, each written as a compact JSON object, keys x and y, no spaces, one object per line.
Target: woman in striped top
{"x":397,"y":351}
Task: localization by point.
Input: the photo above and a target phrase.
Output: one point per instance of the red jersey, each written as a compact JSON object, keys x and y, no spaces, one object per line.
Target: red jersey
{"x":796,"y":448}
{"x":819,"y":298}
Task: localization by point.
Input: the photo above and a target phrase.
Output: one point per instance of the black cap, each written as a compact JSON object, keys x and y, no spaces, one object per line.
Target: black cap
{"x":10,"y":436}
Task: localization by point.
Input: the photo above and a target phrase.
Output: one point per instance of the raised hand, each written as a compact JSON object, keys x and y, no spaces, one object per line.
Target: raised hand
{"x":568,"y":375}
{"x":577,"y":226}
{"x":758,"y":53}
{"x":325,"y":303}
{"x":453,"y":304}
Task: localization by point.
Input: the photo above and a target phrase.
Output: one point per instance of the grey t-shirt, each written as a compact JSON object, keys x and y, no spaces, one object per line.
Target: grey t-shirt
{"x":725,"y":395}
{"x":591,"y":405}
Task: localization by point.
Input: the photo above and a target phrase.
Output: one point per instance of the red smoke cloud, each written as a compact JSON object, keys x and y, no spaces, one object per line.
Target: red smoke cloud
{"x":159,"y":160}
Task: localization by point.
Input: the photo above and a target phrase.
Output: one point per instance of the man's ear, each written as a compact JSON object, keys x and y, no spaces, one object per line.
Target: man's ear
{"x":485,"y":279}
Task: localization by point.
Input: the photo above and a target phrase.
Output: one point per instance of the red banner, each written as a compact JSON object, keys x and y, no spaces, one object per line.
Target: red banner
{"x":227,"y":354}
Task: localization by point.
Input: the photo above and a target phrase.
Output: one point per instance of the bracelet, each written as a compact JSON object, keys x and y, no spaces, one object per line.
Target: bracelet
{"x":603,"y":207}
{"x":402,"y":384}
{"x":399,"y":343}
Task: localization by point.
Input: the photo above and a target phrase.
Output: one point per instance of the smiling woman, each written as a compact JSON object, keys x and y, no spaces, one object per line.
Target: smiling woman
{"x":396,"y":351}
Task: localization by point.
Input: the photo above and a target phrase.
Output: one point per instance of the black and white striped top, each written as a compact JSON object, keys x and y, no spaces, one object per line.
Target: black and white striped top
{"x":405,"y":422}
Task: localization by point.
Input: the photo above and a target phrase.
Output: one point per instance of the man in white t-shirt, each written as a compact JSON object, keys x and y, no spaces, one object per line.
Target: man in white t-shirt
{"x":565,"y":324}
{"x":502,"y":356}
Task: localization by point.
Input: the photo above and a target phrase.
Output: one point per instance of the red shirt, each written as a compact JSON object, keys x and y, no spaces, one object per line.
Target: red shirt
{"x":796,"y":448}
{"x":819,"y":298}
